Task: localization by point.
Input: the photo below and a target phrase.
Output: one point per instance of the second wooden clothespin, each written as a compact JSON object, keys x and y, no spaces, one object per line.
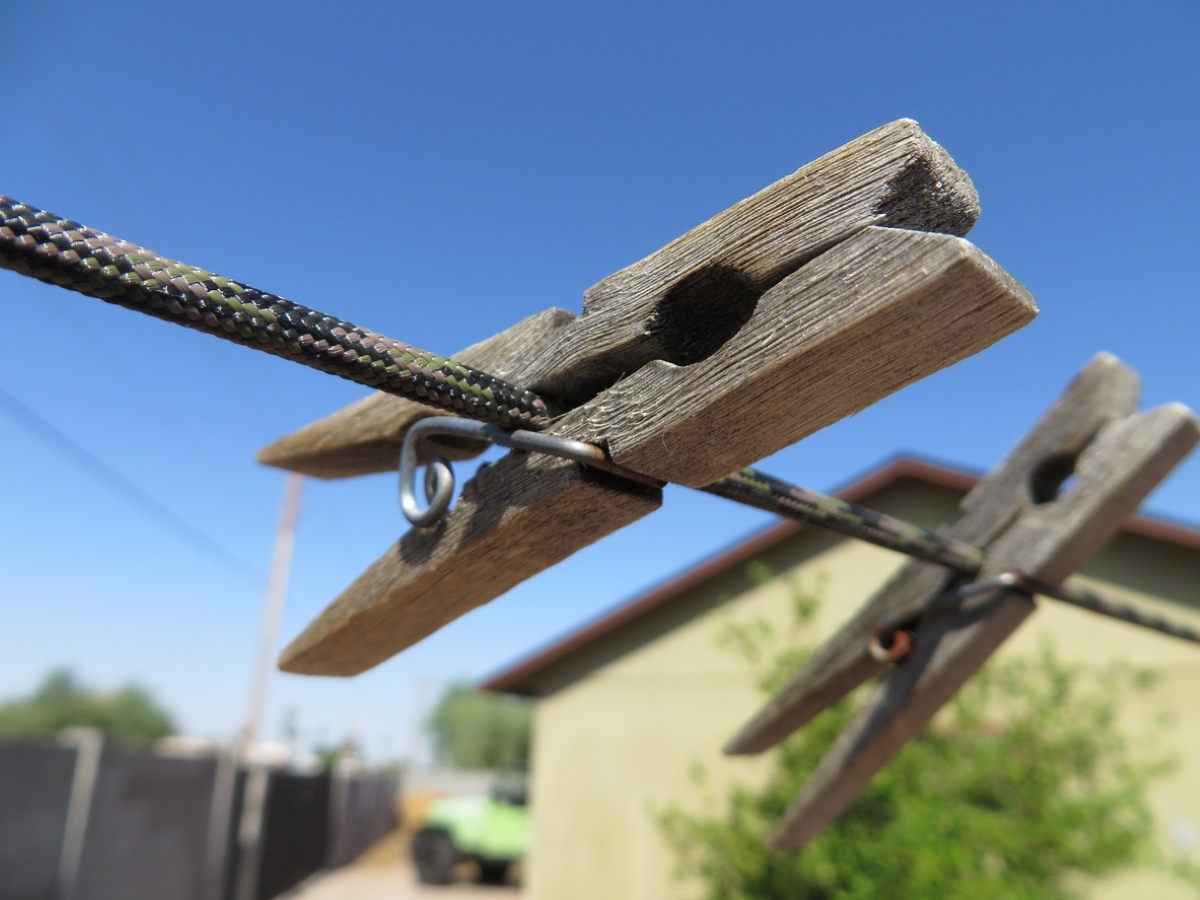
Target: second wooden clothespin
{"x":1029,"y":530}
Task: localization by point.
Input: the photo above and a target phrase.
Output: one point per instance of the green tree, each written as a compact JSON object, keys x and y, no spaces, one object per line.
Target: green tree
{"x":1022,"y":788}
{"x":473,"y":729}
{"x":128,"y":714}
{"x":329,"y":754}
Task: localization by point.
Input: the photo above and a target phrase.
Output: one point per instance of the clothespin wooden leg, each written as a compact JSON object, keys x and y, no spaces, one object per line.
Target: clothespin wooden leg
{"x":1104,"y":390}
{"x":521,"y":514}
{"x":1049,"y":541}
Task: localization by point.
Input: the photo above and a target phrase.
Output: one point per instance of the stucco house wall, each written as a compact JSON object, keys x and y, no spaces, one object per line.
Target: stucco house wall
{"x":625,"y":717}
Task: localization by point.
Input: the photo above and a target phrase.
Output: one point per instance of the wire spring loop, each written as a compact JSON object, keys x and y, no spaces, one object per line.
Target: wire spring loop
{"x":439,"y":474}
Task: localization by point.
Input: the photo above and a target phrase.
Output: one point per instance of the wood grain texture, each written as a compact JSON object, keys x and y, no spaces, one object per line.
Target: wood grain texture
{"x":515,"y":518}
{"x":680,"y":303}
{"x":745,"y":355}
{"x":877,"y":312}
{"x":1050,"y":540}
{"x":1104,"y":390}
{"x":365,"y":437}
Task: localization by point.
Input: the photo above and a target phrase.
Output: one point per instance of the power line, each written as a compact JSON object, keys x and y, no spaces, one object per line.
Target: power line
{"x":32,"y":423}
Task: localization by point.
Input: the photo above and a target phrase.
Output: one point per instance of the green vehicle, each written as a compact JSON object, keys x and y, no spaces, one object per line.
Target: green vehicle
{"x":492,"y":832}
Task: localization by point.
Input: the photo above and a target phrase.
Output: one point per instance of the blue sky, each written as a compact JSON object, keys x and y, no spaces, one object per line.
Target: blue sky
{"x":437,"y":172}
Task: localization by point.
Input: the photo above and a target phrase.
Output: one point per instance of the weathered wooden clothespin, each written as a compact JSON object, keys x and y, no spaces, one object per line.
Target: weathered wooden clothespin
{"x":794,"y":308}
{"x":1028,"y":528}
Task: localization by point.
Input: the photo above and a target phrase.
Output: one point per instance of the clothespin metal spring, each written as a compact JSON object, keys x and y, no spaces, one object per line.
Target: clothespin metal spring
{"x":439,"y":475}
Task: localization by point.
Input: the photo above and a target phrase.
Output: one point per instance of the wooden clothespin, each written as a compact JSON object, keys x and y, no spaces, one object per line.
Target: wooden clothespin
{"x":785,"y":313}
{"x":1016,"y":513}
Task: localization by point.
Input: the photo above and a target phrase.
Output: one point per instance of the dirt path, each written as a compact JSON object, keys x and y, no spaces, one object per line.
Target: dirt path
{"x":385,"y":873}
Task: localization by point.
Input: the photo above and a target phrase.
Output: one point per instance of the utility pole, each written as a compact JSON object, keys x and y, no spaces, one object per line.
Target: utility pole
{"x":281,"y":564}
{"x":250,"y":823}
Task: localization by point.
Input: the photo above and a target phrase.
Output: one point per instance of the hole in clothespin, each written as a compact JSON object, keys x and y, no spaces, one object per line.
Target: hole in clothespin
{"x":1052,"y":477}
{"x":891,"y":647}
{"x":702,"y":311}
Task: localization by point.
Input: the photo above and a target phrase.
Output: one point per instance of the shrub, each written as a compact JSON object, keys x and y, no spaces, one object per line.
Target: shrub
{"x":1023,"y":787}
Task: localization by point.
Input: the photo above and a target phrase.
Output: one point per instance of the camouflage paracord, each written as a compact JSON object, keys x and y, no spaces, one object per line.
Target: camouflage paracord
{"x":754,"y":488}
{"x":1115,"y":609}
{"x":63,"y":252}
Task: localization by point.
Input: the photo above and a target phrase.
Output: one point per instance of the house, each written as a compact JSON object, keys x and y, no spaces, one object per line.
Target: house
{"x":630,"y":702}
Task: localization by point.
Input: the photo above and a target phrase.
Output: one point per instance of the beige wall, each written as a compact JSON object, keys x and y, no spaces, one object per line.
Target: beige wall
{"x":622,"y":724}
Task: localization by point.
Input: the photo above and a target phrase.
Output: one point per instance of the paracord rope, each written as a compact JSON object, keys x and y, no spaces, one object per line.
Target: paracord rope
{"x":757,"y":489}
{"x":754,"y":488}
{"x":1114,"y":609}
{"x":60,"y":251}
